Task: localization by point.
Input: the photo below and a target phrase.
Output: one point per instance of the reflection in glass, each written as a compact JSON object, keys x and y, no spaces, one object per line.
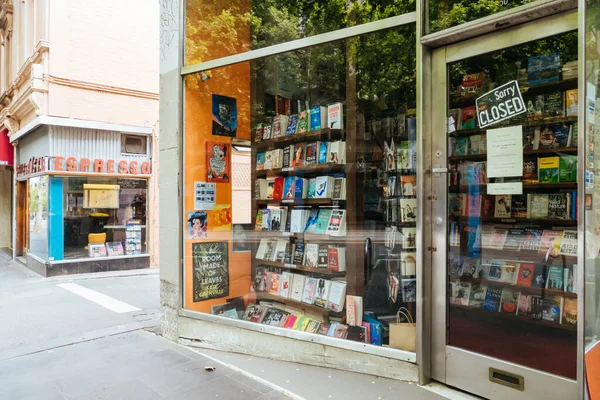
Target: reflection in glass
{"x":38,"y":216}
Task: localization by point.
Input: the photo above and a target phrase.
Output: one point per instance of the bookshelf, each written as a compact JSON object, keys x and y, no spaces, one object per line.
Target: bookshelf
{"x":309,"y":170}
{"x":320,"y":134}
{"x":298,"y":304}
{"x":293,"y":267}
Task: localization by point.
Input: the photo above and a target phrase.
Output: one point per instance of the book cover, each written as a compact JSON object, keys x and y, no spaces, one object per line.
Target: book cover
{"x":335,"y":116}
{"x":569,"y":315}
{"x":311,"y":255}
{"x":290,"y":321}
{"x":298,"y":156}
{"x":461,"y":291}
{"x":571,"y":100}
{"x":313,"y":326}
{"x":292,"y":125}
{"x":340,"y":331}
{"x":552,"y":308}
{"x":323,"y":152}
{"x":337,"y":223}
{"x":310,"y":287}
{"x":524,"y":305}
{"x":408,"y":185}
{"x":278,"y":188}
{"x":288,"y":187}
{"x":492,"y":299}
{"x":354,"y":310}
{"x":337,"y":152}
{"x":470,"y":267}
{"x":574,"y":135}
{"x":454,"y":119}
{"x":224,"y":115}
{"x":494,"y":273}
{"x":298,"y":282}
{"x":318,"y":118}
{"x":300,"y":188}
{"x":287,"y":154}
{"x":529,"y":140}
{"x":567,"y":168}
{"x":218,"y":160}
{"x":469,"y":117}
{"x":570,"y":278}
{"x":568,"y":243}
{"x":301,"y":323}
{"x":339,"y":189}
{"x":546,"y":138}
{"x":285,"y":284}
{"x":514,"y":238}
{"x":526,"y":274}
{"x":322,"y":190}
{"x":267,"y":130}
{"x":312,"y":188}
{"x":303,"y":122}
{"x":554,"y":105}
{"x":561,"y":134}
{"x":542,"y":69}
{"x":530,"y":170}
{"x":488,"y":206}
{"x":260,"y":161}
{"x":550,"y":242}
{"x":322,"y":221}
{"x":510,"y":272}
{"x":322,"y":294}
{"x":323,"y":261}
{"x":474,"y":145}
{"x":298,"y":258}
{"x":538,"y":205}
{"x":456,"y":204}
{"x":462,"y":144}
{"x":509,"y":301}
{"x":548,"y":168}
{"x":258,"y":133}
{"x":477,"y":296}
{"x":558,"y":206}
{"x":535,"y":107}
{"x":274,"y":316}
{"x":337,"y":296}
{"x":555,"y":277}
{"x":539,"y":276}
{"x":336,"y":257}
{"x":502,"y":207}
{"x":311,"y":153}
{"x":519,"y":206}
{"x":474,"y":205}
{"x":408,"y":209}
{"x":498,"y":238}
{"x":277,"y":127}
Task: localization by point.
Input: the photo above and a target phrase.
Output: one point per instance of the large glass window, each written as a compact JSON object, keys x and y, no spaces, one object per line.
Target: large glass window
{"x":216,"y":29}
{"x":512,"y":196}
{"x":37,"y":197}
{"x":332,"y":132}
{"x":104,"y":217}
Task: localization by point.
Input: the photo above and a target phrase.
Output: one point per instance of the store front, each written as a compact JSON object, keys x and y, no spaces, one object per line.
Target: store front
{"x":85,"y":213}
{"x":417,"y":187}
{"x":6,"y":192}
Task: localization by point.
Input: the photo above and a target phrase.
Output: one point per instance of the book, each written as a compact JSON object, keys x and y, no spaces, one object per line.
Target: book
{"x":510,"y":272}
{"x":514,"y":238}
{"x":324,"y":187}
{"x":274,"y":316}
{"x":290,"y":321}
{"x":267,"y":130}
{"x":469,"y":118}
{"x":260,"y":161}
{"x":461,"y":292}
{"x":258,"y":133}
{"x":322,"y":294}
{"x":537,"y":205}
{"x":323,"y":256}
{"x":542,"y":69}
{"x":285,"y":284}
{"x":571,"y":101}
{"x":311,"y":223}
{"x":279,"y":253}
{"x":298,"y":282}
{"x":524,"y":305}
{"x":289,"y":187}
{"x":569,"y":313}
{"x":336,"y":258}
{"x":554,"y":105}
{"x":567,"y":168}
{"x":462,"y":145}
{"x":550,"y":242}
{"x":561,"y":134}
{"x":312,"y":188}
{"x":408,"y":185}
{"x":278,"y":129}
{"x":335,"y":116}
{"x":408,"y":263}
{"x":477,"y":295}
{"x":298,"y":155}
{"x":570,"y":278}
{"x":535,"y":107}
{"x":313,"y":326}
{"x":526,"y":272}
{"x":470,"y":267}
{"x":502,"y":206}
{"x":311,"y":153}
{"x":310,"y":287}
{"x":474,"y":145}
{"x":311,"y":255}
{"x":278,"y":188}
{"x":530,"y":170}
{"x":337,"y":152}
{"x":568,"y":243}
{"x":298,"y":258}
{"x":454,"y":120}
{"x":539,"y":276}
{"x":555,"y":277}
{"x":287,"y":156}
{"x":322,"y":221}
{"x":456,"y":204}
{"x":509,"y":301}
{"x":498,"y":238}
{"x":301,"y":323}
{"x":300,"y":188}
{"x":303,"y":121}
{"x":337,"y":296}
{"x":299,"y":218}
{"x":323,"y":152}
{"x":339,"y":189}
{"x":573,"y":135}
{"x":552,"y":308}
{"x":318,"y":118}
{"x":492,"y":299}
{"x":354,"y":310}
{"x":488,"y":206}
{"x":493,"y":270}
{"x":292,"y":125}
{"x":519,"y":206}
{"x":408,"y":208}
{"x":337,"y":223}
{"x":340,"y":331}
{"x":548,"y":168}
{"x":558,"y":206}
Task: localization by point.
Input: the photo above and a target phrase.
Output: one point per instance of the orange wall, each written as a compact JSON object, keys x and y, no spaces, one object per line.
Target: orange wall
{"x":232,"y":81}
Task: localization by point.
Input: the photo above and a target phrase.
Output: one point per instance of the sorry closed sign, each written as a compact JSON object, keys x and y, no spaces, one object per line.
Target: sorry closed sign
{"x":500,"y":104}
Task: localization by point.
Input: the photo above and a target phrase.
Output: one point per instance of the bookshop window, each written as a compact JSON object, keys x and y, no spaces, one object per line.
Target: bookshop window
{"x":37,"y":198}
{"x":216,"y":29}
{"x":444,"y":14}
{"x":104,"y":217}
{"x":512,"y":251}
{"x":331,"y":248}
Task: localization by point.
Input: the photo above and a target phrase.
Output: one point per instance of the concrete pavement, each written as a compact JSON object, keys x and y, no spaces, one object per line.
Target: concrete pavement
{"x":97,"y":337}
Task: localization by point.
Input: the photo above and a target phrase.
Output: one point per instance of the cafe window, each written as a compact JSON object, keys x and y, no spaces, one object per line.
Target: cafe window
{"x":104,"y":217}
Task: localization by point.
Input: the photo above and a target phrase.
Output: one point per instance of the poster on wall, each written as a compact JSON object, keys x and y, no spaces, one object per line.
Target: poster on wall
{"x":224,"y":116}
{"x":218,"y":160}
{"x":205,"y":194}
{"x":221,"y":218}
{"x":197,"y":225}
{"x":211,"y":270}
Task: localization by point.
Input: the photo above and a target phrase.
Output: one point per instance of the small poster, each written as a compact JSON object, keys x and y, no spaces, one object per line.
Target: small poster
{"x":224,"y":116}
{"x":211,"y":270}
{"x":500,"y":104}
{"x":218,"y":160}
{"x":505,"y":152}
{"x":197,"y":225}
{"x":205,"y":194}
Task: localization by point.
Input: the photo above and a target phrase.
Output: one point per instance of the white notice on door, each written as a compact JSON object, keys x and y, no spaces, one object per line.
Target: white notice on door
{"x":505,"y":152}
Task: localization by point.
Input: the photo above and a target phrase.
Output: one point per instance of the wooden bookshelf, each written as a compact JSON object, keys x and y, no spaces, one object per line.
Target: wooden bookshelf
{"x":539,"y":152}
{"x":299,"y":202}
{"x":522,"y":256}
{"x":304,"y":268}
{"x":297,"y":304}
{"x":482,"y":188}
{"x":525,"y":124}
{"x":308,"y":170}
{"x":519,"y":221}
{"x":493,"y":316}
{"x":525,"y":289}
{"x":321,"y":134}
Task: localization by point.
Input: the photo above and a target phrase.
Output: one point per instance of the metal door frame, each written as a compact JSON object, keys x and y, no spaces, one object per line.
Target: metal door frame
{"x":453,"y":366}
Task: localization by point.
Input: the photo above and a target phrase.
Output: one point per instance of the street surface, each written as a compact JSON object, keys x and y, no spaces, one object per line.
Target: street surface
{"x":97,"y":336}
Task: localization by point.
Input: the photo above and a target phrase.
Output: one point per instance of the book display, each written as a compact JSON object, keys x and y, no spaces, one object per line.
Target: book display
{"x":512,"y":231}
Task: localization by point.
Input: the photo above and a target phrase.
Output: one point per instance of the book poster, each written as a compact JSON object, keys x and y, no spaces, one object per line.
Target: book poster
{"x":211,"y":270}
{"x":218,"y":161}
{"x":197,"y":225}
{"x":205,"y":194}
{"x":224,"y":116}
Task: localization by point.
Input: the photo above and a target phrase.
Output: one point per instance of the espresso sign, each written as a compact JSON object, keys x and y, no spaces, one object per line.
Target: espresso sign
{"x":500,"y":104}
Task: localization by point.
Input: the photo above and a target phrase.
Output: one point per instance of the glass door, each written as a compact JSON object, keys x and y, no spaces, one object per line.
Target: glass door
{"x":507,"y":223}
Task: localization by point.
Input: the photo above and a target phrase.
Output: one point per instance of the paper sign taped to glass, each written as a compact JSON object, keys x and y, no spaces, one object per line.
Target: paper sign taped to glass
{"x":500,"y":104}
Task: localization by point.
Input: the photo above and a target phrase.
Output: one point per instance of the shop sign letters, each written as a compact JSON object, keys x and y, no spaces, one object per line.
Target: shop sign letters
{"x":72,"y":164}
{"x":500,"y":104}
{"x":33,"y":166}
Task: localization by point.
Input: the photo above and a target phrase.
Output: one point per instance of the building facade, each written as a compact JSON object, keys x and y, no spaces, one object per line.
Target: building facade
{"x":423,"y":195}
{"x":80,"y":109}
